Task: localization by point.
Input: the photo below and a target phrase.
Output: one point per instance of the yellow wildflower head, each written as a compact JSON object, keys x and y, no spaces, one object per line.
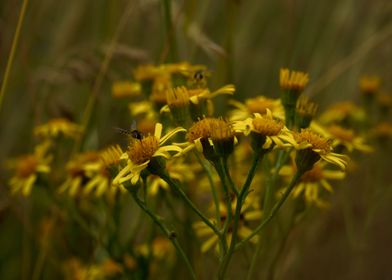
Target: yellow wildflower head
{"x":313,"y":140}
{"x":292,"y":83}
{"x":148,"y":152}
{"x":293,"y":80}
{"x":369,"y":85}
{"x":344,"y":138}
{"x":123,"y":89}
{"x":27,"y":169}
{"x":214,"y":137}
{"x":139,"y":151}
{"x":265,"y":131}
{"x":178,"y":103}
{"x":311,"y":147}
{"x":266,"y":126}
{"x":306,"y":110}
{"x":382,"y":132}
{"x":111,"y":155}
{"x":177,"y":97}
{"x":58,"y":126}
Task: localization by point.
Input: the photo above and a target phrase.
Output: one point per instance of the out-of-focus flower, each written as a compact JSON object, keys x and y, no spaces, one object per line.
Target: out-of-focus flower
{"x":369,"y":85}
{"x":27,"y":169}
{"x":312,"y":182}
{"x":259,"y":105}
{"x":249,"y":213}
{"x":75,"y":269}
{"x":79,"y":170}
{"x":123,"y":89}
{"x":347,"y":138}
{"x":342,"y":112}
{"x":57,"y":127}
{"x":305,"y":112}
{"x":177,"y":169}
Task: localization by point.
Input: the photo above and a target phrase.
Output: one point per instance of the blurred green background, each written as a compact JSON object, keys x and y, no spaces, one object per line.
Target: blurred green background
{"x":63,"y":45}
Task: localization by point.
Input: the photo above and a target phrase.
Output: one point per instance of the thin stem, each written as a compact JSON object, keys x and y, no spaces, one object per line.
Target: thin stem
{"x":169,"y":234}
{"x":171,"y":46}
{"x":274,"y":210}
{"x":240,"y":200}
{"x":177,"y":189}
{"x":227,"y":173}
{"x":14,"y":46}
{"x":219,"y":169}
{"x":207,"y":169}
{"x":267,"y":204}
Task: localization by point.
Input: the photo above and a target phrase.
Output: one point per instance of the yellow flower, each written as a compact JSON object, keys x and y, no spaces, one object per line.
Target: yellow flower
{"x":308,"y":140}
{"x":293,"y":80}
{"x":143,"y":109}
{"x":161,"y":249}
{"x":79,"y":170}
{"x":28,"y":168}
{"x":57,"y":127}
{"x":342,"y":111}
{"x":197,"y":95}
{"x":347,"y":138}
{"x":258,"y":105}
{"x":312,"y":182}
{"x":141,"y":152}
{"x":177,"y":169}
{"x":382,"y":131}
{"x":75,"y":269}
{"x":369,"y":85}
{"x":214,"y":137}
{"x":273,"y":132}
{"x":249,"y":213}
{"x":123,"y":89}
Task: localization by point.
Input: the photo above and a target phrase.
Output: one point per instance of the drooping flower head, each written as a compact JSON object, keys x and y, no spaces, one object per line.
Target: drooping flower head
{"x":199,"y":99}
{"x":311,"y":147}
{"x":214,"y":137}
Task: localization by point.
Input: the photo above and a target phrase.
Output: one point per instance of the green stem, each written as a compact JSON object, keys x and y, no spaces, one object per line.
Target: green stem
{"x":267,"y":204}
{"x":13,"y":50}
{"x":207,"y":169}
{"x":219,"y":169}
{"x":240,"y":200}
{"x":169,"y":234}
{"x":274,"y":210}
{"x":170,"y":32}
{"x":227,"y":173}
{"x":177,"y":189}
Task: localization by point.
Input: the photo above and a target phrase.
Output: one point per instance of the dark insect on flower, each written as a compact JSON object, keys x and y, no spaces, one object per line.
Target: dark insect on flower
{"x":199,"y":75}
{"x":133,"y":132}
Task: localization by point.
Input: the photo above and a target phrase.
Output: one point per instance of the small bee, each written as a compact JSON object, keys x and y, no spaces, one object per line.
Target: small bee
{"x":133,"y":132}
{"x":199,"y":75}
{"x":198,"y":78}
